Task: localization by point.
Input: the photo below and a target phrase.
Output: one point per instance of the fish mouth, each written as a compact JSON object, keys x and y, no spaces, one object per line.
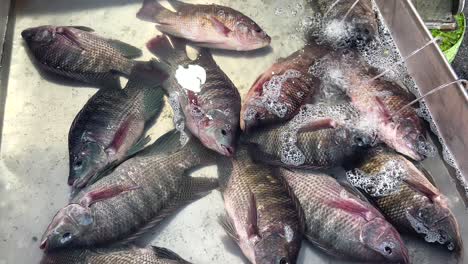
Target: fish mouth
{"x":227,"y":150}
{"x":44,"y":244}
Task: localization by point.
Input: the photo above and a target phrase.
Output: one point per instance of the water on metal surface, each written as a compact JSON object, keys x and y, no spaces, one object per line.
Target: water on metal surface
{"x":39,"y":111}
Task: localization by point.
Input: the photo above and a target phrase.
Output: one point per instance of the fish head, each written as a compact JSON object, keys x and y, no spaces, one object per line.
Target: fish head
{"x":437,"y":223}
{"x":39,"y":36}
{"x":276,"y":248}
{"x":410,"y":140}
{"x":67,"y":225}
{"x":381,"y":237}
{"x":85,"y":163}
{"x":219,"y":133}
{"x":249,"y":35}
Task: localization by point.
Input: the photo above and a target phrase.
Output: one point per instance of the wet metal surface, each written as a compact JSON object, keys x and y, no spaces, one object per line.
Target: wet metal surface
{"x":39,"y":111}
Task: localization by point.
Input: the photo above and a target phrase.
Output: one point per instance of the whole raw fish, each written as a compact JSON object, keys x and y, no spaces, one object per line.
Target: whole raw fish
{"x":136,"y":196}
{"x":357,"y":19}
{"x":280,"y":91}
{"x":341,"y":224}
{"x":406,"y":197}
{"x":261,"y":216}
{"x":127,"y":255}
{"x":110,"y":126}
{"x":378,"y":102}
{"x":211,"y":26}
{"x":210,"y":107}
{"x":79,"y":54}
{"x":317,"y":138}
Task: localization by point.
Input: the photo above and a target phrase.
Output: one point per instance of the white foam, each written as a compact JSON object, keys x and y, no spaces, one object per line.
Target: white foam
{"x":178,"y":118}
{"x":386,"y":182}
{"x":272,"y":91}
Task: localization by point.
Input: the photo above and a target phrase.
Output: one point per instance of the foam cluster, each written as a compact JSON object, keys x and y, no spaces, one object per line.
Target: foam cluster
{"x":272,"y":91}
{"x":178,"y":118}
{"x":386,"y":182}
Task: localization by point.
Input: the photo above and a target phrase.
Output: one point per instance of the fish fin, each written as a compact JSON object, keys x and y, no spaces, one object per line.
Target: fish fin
{"x":167,"y":143}
{"x":421,"y":188}
{"x":425,"y":172}
{"x":225,"y":168}
{"x":127,"y":50}
{"x":228,"y":227}
{"x":351,"y":188}
{"x":165,"y":253}
{"x":147,"y":73}
{"x":170,"y":50}
{"x":383,"y":108}
{"x":176,"y":4}
{"x":351,"y":206}
{"x":192,"y":189}
{"x":195,"y":188}
{"x":104,"y":193}
{"x":68,"y":34}
{"x":252,"y":226}
{"x":220,"y":27}
{"x":83,"y":28}
{"x":121,"y":135}
{"x":295,"y":200}
{"x":321,"y":247}
{"x":318,"y":125}
{"x":153,"y":11}
{"x":139,"y":146}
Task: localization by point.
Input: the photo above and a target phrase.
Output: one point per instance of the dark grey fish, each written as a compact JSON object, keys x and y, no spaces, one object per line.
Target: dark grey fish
{"x":135,"y":197}
{"x":212,"y":114}
{"x":262,"y":217}
{"x":111,"y":125}
{"x":406,"y":197}
{"x":340,"y":223}
{"x":79,"y":54}
{"x":309,"y":140}
{"x":121,"y":255}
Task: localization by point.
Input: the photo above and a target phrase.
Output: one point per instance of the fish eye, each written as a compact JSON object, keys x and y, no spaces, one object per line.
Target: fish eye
{"x":283,"y":261}
{"x":388,"y":250}
{"x":66,"y":237}
{"x":258,"y":30}
{"x":359,"y":141}
{"x":78,"y":164}
{"x":223,"y":132}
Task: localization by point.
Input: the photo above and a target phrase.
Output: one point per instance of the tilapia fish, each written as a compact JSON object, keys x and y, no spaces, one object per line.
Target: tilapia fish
{"x":406,"y":197}
{"x":127,"y":255}
{"x":134,"y":197}
{"x":79,"y":54}
{"x":379,"y":102}
{"x":316,"y":138}
{"x":211,"y":26}
{"x":358,"y":18}
{"x":261,"y":216}
{"x":280,"y":91}
{"x":340,"y":223}
{"x":110,"y":126}
{"x":210,"y":107}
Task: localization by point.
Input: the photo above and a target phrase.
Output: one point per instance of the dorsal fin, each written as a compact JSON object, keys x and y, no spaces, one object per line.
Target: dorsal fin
{"x":165,"y":253}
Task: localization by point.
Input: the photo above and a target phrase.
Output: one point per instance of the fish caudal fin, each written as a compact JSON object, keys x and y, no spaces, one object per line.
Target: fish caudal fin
{"x":152,"y":11}
{"x":169,"y":49}
{"x":127,"y":50}
{"x":165,"y":253}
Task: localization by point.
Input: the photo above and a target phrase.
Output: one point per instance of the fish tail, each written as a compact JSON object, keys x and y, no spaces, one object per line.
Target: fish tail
{"x":165,"y":253}
{"x":169,"y":49}
{"x":153,"y":11}
{"x":146,"y":78}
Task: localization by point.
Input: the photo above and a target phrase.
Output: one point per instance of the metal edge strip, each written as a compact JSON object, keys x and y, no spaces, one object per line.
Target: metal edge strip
{"x":6,"y":33}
